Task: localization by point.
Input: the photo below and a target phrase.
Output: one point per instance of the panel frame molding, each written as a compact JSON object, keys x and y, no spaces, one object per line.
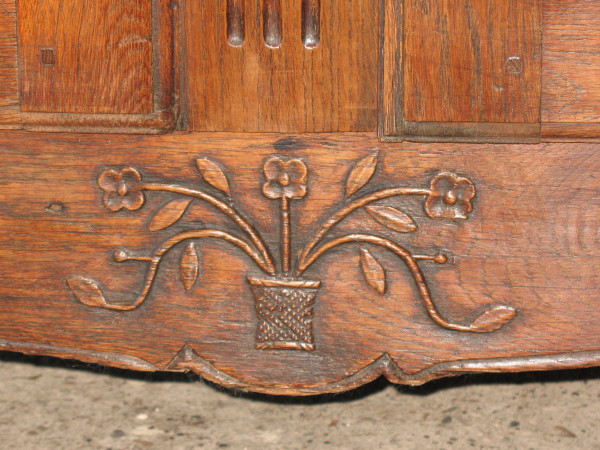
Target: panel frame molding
{"x":165,"y":75}
{"x":393,"y":125}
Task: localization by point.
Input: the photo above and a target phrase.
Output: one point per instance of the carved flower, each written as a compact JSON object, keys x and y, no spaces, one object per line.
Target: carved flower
{"x":121,"y":189}
{"x":450,"y":197}
{"x":285,"y":178}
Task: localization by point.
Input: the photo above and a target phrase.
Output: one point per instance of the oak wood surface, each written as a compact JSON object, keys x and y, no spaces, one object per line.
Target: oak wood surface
{"x":472,"y":61}
{"x":99,"y":66}
{"x":571,"y":71}
{"x":99,"y":56}
{"x":529,"y":243}
{"x":9,"y":93}
{"x":467,"y":71}
{"x":301,"y":263}
{"x":261,"y":85}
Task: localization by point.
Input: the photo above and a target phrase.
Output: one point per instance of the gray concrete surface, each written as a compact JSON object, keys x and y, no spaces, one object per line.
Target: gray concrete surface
{"x":50,"y":404}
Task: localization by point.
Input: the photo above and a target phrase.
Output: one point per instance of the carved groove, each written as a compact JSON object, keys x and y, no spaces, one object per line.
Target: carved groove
{"x":236,"y":32}
{"x":311,"y":23}
{"x":272,"y":32}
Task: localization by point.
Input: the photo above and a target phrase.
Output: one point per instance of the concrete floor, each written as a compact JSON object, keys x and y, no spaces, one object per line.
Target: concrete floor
{"x":51,"y":404}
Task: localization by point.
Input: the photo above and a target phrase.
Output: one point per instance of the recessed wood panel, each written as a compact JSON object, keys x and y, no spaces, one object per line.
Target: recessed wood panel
{"x":461,"y":71}
{"x":9,"y":92}
{"x":281,"y":65}
{"x":86,"y":56}
{"x":571,"y":73}
{"x":472,"y":61}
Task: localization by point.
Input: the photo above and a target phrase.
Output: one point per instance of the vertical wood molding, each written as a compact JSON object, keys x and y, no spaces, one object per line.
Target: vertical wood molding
{"x":311,"y":23}
{"x":9,"y":72}
{"x":272,"y":25}
{"x":236,"y":28}
{"x":290,"y":89}
{"x":571,"y":81}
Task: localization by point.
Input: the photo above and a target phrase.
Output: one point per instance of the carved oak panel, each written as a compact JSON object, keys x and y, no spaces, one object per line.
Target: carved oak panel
{"x":298,"y":265}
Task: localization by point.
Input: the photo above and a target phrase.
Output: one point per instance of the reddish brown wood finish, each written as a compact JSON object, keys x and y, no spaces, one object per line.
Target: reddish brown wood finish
{"x":571,"y":80}
{"x":9,"y":94}
{"x":119,"y":76}
{"x":473,"y":71}
{"x":114,"y":48}
{"x":301,"y":263}
{"x":285,"y":87}
{"x":472,"y":61}
{"x":529,"y":243}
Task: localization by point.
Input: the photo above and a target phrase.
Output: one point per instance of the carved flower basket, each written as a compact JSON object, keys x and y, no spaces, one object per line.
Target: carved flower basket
{"x":284,"y":307}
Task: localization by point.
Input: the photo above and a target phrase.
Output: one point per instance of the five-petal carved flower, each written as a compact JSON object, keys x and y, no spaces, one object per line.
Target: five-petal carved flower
{"x":450,"y":197}
{"x":285,"y":178}
{"x":121,"y":189}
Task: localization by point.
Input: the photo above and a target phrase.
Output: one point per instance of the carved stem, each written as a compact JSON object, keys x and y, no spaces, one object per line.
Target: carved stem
{"x":155,"y":260}
{"x":286,"y":235}
{"x":346,"y":211}
{"x":408,"y":259}
{"x":225,"y":208}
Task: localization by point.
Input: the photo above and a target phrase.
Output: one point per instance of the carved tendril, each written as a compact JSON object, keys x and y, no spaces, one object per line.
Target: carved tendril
{"x":345,"y":212}
{"x":155,"y":260}
{"x":491,"y":320}
{"x":266,"y":260}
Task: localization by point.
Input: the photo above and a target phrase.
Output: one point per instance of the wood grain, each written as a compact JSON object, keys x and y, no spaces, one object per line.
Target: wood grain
{"x":571,"y":81}
{"x":391,"y":106}
{"x":102,"y":56}
{"x":466,"y":71}
{"x":332,"y":87}
{"x":457,"y":66}
{"x":122,"y":76}
{"x":528,"y":242}
{"x":9,"y":93}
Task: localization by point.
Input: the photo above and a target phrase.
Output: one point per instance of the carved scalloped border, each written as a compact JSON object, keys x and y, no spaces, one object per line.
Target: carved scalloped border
{"x":188,"y":359}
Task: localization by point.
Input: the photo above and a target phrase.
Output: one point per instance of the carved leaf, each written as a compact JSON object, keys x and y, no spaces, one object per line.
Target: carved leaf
{"x":494,"y":319}
{"x":392,"y":218}
{"x":169,"y":214}
{"x":374,"y":273}
{"x":213,"y":175}
{"x":361,"y":173}
{"x":86,"y":291}
{"x":188,"y":267}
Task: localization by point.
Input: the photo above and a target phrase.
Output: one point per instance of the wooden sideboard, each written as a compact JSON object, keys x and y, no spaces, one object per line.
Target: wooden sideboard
{"x":299,"y":196}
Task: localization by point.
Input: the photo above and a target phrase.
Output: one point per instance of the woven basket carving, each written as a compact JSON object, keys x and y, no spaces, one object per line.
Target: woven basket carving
{"x":285,"y":312}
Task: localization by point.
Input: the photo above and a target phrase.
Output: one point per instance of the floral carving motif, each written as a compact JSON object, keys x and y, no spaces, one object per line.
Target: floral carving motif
{"x":284,"y":300}
{"x":285,"y":178}
{"x":121,"y":189}
{"x":451,"y":197}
